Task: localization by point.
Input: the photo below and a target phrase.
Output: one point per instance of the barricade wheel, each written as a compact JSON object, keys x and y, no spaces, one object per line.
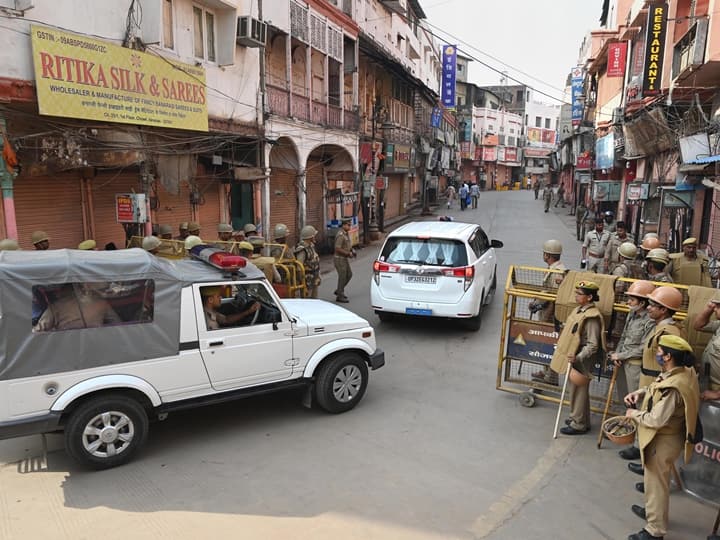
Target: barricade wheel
{"x":527,"y":399}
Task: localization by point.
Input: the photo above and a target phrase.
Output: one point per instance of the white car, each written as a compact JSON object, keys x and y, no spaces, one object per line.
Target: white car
{"x":435,"y":269}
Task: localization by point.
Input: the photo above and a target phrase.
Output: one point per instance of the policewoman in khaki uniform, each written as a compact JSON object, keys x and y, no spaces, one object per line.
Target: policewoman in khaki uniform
{"x":666,"y":424}
{"x":664,"y":302}
{"x":578,"y":344}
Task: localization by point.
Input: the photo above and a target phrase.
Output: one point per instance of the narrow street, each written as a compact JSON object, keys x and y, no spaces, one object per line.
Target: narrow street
{"x":433,"y":451}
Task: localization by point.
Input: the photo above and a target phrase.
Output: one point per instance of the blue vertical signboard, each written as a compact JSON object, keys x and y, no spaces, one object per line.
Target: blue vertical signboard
{"x":449,"y":65}
{"x":576,"y":82}
{"x":436,"y":117}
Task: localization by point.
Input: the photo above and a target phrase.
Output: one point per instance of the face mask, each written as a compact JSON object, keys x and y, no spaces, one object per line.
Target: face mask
{"x":634,"y":308}
{"x":659,"y":359}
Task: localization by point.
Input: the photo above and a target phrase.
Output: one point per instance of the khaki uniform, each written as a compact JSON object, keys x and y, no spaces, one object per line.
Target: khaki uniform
{"x":711,"y":354}
{"x":267,"y":265}
{"x":650,"y":369}
{"x":630,"y":348}
{"x":75,"y":312}
{"x":595,"y":244}
{"x":342,"y":263}
{"x":579,"y":219}
{"x":551,"y":283}
{"x":582,"y":335}
{"x":547,"y":197}
{"x":611,"y":250}
{"x":689,"y":271}
{"x":665,"y":421}
{"x":306,"y":254}
{"x":662,"y":277}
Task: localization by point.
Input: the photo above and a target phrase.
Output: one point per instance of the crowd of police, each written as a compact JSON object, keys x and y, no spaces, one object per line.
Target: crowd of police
{"x":277,"y":260}
{"x":658,"y":378}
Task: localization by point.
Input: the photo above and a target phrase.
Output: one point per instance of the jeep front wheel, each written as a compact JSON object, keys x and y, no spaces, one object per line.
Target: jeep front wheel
{"x":341,"y":382}
{"x":106,"y":431}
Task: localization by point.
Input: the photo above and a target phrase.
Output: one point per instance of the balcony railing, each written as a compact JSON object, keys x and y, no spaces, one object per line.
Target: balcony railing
{"x":689,"y":52}
{"x":282,"y":103}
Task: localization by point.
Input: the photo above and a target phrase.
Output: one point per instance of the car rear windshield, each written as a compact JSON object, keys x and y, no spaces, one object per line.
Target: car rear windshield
{"x":429,"y":251}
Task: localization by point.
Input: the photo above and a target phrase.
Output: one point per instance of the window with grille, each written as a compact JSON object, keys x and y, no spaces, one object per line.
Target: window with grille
{"x":318,"y":35}
{"x":299,"y":22}
{"x":335,"y":43}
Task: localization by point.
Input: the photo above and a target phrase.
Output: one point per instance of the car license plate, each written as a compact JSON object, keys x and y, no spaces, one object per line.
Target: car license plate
{"x":415,"y":311}
{"x":430,"y":280}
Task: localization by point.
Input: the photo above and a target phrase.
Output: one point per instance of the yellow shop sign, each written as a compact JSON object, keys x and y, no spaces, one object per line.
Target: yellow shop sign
{"x":80,"y":77}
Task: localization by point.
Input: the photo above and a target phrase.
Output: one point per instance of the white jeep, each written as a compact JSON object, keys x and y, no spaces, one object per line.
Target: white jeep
{"x":98,"y":343}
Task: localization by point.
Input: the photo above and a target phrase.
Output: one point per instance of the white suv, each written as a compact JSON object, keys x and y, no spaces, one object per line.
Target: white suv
{"x":435,"y":269}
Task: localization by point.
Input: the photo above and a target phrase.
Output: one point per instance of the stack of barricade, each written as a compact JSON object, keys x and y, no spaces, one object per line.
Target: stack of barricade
{"x":292,"y":272}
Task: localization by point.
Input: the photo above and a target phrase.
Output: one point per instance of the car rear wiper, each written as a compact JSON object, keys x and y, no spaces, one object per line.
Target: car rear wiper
{"x":408,"y":261}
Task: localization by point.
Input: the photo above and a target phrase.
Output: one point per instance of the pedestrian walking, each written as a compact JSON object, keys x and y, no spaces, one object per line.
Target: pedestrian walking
{"x":666,"y":420}
{"x":579,"y":220}
{"x":463,"y":193}
{"x":547,"y":197}
{"x":560,"y":197}
{"x":343,"y":254}
{"x":536,"y":188}
{"x":450,"y":194}
{"x":474,"y":194}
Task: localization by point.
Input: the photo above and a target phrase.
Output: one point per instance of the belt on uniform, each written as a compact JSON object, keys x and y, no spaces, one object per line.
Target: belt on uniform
{"x":634,"y":361}
{"x":649,"y":372}
{"x":596,"y":256}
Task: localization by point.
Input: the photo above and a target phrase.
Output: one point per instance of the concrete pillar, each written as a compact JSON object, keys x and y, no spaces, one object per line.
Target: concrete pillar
{"x":265,"y":204}
{"x":302,"y":199}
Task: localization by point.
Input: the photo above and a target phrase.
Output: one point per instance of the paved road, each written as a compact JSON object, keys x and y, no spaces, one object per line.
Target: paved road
{"x":433,"y":451}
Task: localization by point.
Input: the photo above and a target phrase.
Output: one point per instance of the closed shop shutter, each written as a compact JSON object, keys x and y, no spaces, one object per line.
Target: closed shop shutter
{"x":715,"y":224}
{"x":208,"y":212}
{"x":393,"y":195}
{"x":173,"y":209}
{"x":315,"y":199}
{"x":53,"y":205}
{"x":283,"y":199}
{"x":104,"y":189}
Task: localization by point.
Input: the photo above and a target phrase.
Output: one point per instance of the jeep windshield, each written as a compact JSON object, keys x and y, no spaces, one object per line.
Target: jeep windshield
{"x":424,"y":251}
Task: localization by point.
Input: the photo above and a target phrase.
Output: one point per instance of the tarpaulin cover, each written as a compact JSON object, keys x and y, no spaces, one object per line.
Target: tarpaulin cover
{"x":24,"y":353}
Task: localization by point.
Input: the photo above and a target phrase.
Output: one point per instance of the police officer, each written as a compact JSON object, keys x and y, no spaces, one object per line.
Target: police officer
{"x":628,"y":354}
{"x":689,"y":267}
{"x":593,"y":248}
{"x":191,"y":241}
{"x":280,"y":234}
{"x":306,"y":254}
{"x":547,"y":197}
{"x":183,"y":231}
{"x":88,"y":245}
{"x":165,"y":232}
{"x":609,"y":218}
{"x":193,"y":228}
{"x":212,"y":300}
{"x":579,"y":220}
{"x":266,"y":264}
{"x":343,"y":253}
{"x":626,"y":267}
{"x":620,"y":236}
{"x":40,"y":240}
{"x":225,"y":231}
{"x":151,"y":244}
{"x":655,"y":264}
{"x":666,"y":424}
{"x":552,"y":250}
{"x":711,"y":354}
{"x":72,"y":309}
{"x":580,"y":341}
{"x":8,"y":244}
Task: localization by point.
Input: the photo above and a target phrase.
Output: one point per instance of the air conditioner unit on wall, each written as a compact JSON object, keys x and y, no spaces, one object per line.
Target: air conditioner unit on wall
{"x":251,"y":32}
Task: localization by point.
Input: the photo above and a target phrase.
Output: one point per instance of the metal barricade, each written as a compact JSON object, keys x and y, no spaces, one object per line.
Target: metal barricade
{"x":527,"y":344}
{"x":291,"y":271}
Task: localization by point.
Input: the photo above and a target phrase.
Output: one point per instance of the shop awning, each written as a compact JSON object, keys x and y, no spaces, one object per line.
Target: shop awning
{"x":692,"y":167}
{"x":706,"y":160}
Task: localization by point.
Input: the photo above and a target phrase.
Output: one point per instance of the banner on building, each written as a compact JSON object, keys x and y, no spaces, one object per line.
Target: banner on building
{"x":617,"y":56}
{"x":130,"y":208}
{"x":606,"y":191}
{"x":576,"y":82}
{"x":654,"y":48}
{"x":489,"y":153}
{"x":540,"y":136}
{"x":80,"y":77}
{"x":449,"y":66}
{"x":605,"y":151}
{"x":436,"y":117}
{"x":637,"y":192}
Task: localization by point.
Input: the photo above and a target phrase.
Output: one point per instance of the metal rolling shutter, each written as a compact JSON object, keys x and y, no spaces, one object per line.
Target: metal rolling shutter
{"x":283,"y":201}
{"x":173,"y":209}
{"x":315,"y":199}
{"x":392,"y":195}
{"x":104,"y":188}
{"x":53,"y":205}
{"x":208,"y":213}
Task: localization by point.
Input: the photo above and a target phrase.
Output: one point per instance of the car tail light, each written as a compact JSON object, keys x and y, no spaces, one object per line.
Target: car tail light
{"x":379,"y":266}
{"x":465,"y":272}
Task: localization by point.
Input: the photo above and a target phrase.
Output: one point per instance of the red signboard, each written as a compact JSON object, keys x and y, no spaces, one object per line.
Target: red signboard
{"x":617,"y":53}
{"x":583,"y":162}
{"x":548,"y":136}
{"x":489,"y":153}
{"x":537,"y":152}
{"x":511,"y":153}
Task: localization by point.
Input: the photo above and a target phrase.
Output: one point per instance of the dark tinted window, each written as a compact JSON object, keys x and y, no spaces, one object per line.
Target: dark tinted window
{"x":430,"y":251}
{"x":479,"y":242}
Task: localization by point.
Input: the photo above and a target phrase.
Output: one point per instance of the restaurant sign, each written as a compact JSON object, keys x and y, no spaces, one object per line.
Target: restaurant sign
{"x":80,"y":77}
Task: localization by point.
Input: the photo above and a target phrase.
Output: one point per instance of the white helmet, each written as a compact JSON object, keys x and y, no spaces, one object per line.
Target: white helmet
{"x":151,"y":242}
{"x":192,"y":241}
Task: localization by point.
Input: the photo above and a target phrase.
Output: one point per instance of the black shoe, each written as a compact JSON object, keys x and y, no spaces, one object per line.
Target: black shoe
{"x":342,"y":300}
{"x":637,"y":468}
{"x":568,"y":421}
{"x":644,"y":535}
{"x":630,"y":453}
{"x":640,"y":486}
{"x":569,"y":430}
{"x":639,"y":511}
